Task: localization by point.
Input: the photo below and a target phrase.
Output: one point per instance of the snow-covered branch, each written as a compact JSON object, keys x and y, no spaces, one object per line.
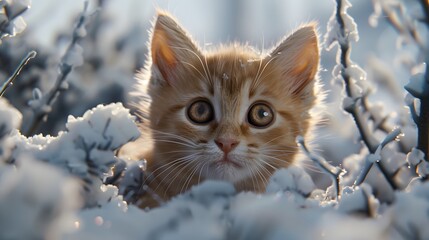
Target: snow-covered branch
{"x":334,"y":172}
{"x":376,"y":158}
{"x":412,"y":26}
{"x":11,"y":23}
{"x":42,"y":104}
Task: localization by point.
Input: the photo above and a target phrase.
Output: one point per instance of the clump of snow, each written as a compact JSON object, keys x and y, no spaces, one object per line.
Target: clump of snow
{"x":36,"y":201}
{"x":86,"y":149}
{"x":359,"y":200}
{"x":132,"y":182}
{"x":10,"y":119}
{"x":409,"y":215}
{"x":415,"y":157}
{"x":292,"y":179}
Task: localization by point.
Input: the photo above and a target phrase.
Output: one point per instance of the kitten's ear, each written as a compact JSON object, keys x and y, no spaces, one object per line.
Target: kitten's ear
{"x":171,"y":48}
{"x":297,"y":58}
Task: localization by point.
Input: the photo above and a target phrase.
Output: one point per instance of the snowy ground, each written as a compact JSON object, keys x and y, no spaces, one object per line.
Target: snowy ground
{"x":368,"y":184}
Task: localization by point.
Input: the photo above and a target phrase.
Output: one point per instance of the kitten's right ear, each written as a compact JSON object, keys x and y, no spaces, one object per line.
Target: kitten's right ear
{"x":171,"y":48}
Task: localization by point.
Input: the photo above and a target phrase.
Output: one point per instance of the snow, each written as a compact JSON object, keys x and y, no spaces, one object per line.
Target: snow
{"x":86,"y":149}
{"x":333,"y":35}
{"x":10,"y":119}
{"x":359,"y":200}
{"x":36,"y":201}
{"x":293,"y":179}
{"x":57,"y":187}
{"x":74,"y":57}
{"x":10,"y":20}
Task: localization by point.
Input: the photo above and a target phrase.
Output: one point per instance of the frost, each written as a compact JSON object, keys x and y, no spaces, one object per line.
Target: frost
{"x":74,"y":56}
{"x":334,"y":33}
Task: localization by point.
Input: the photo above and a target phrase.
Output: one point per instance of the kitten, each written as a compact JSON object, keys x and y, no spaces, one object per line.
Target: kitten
{"x":231,"y":114}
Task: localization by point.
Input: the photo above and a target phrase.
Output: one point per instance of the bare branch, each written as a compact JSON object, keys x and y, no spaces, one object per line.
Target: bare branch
{"x":9,"y":82}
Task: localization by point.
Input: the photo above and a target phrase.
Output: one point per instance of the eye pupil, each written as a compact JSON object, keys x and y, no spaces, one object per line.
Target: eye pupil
{"x":200,"y":112}
{"x":260,"y":115}
{"x":201,"y":109}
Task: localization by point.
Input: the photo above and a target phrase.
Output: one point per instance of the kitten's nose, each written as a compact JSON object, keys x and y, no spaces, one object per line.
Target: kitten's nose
{"x":226,"y":144}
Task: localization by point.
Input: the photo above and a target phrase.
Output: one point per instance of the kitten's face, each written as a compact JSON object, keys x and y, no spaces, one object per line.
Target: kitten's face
{"x":231,"y":114}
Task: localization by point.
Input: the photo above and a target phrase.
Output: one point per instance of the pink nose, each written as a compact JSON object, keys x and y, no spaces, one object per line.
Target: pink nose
{"x":226,"y":144}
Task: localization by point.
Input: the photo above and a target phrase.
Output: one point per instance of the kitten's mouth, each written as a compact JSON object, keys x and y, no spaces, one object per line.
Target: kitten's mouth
{"x":227,"y":161}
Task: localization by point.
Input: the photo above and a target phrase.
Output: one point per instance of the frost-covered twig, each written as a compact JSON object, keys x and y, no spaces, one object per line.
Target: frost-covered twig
{"x":407,"y":26}
{"x":375,"y":158}
{"x":10,"y":21}
{"x":342,"y":30}
{"x":15,"y":74}
{"x":42,"y":105}
{"x":334,"y":172}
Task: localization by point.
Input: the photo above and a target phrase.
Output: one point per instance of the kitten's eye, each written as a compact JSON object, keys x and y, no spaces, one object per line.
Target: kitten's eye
{"x":200,"y":112}
{"x":260,"y":115}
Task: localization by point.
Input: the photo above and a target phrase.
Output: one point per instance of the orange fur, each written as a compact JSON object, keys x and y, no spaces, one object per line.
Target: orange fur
{"x":231,"y":79}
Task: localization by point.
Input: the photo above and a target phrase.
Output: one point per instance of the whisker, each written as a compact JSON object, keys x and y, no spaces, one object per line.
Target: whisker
{"x":273,"y":158}
{"x":252,"y":174}
{"x":181,"y":163}
{"x":172,"y":164}
{"x":196,"y":69}
{"x":270,"y":141}
{"x":201,"y":170}
{"x":199,"y":58}
{"x":179,"y":151}
{"x":260,"y":174}
{"x":175,"y":136}
{"x":258,"y":77}
{"x":175,"y":142}
{"x":178,"y":174}
{"x":189,"y":178}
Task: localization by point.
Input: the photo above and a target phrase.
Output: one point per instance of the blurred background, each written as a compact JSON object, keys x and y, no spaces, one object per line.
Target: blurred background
{"x":114,"y":48}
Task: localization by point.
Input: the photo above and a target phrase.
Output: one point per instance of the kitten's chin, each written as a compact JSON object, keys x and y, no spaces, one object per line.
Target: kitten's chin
{"x":227,"y":171}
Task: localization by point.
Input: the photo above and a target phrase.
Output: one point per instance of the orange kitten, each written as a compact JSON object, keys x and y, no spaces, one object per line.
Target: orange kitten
{"x":230,"y":114}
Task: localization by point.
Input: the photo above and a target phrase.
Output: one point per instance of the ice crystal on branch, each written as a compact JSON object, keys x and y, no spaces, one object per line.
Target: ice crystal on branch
{"x":11,"y":23}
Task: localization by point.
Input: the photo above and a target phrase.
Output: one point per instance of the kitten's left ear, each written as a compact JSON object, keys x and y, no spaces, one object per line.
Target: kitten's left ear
{"x":297,"y":58}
